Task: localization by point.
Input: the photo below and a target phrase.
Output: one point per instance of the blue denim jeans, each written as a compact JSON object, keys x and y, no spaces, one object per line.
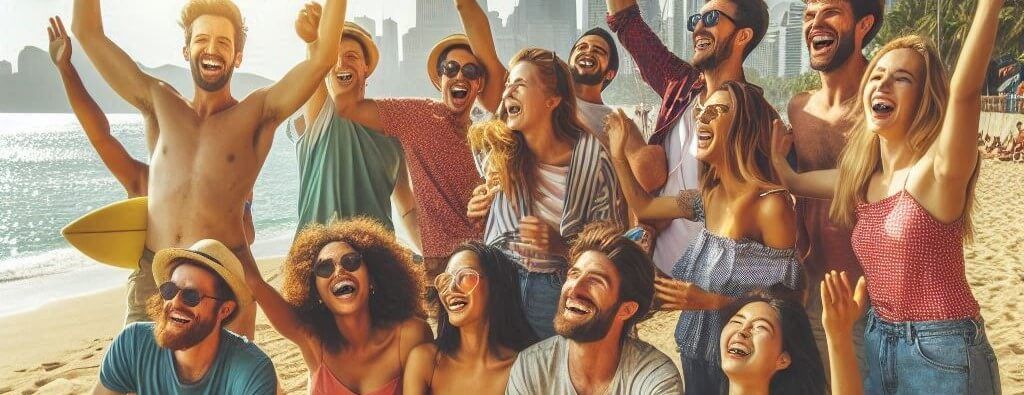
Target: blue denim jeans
{"x":929,"y":357}
{"x":540,"y":292}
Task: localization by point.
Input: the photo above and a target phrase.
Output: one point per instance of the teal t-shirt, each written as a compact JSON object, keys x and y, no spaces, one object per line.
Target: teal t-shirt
{"x":345,"y":170}
{"x":135,"y":363}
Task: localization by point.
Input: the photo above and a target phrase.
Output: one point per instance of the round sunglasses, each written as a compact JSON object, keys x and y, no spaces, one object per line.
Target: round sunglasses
{"x":465,"y":280}
{"x":451,"y":69}
{"x":706,"y":114}
{"x":710,"y":18}
{"x":325,"y":268}
{"x":189,"y":296}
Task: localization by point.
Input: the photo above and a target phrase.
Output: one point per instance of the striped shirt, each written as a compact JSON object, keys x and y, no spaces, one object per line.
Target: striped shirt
{"x":728,"y":267}
{"x":591,"y":194}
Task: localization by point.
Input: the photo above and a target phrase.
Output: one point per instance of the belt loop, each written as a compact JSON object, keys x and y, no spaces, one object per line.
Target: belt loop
{"x":911,"y":335}
{"x":979,"y":330}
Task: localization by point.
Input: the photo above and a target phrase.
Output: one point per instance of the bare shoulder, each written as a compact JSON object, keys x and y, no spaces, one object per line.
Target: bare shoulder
{"x":798,"y":101}
{"x":773,"y":204}
{"x":416,"y":330}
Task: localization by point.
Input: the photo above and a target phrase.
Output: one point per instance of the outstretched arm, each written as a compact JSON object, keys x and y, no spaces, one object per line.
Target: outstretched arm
{"x":646,"y":207}
{"x":128,"y":171}
{"x":820,"y":184}
{"x":478,"y":29}
{"x":278,"y":311}
{"x":287,"y":95}
{"x":842,"y":306}
{"x":955,"y":155}
{"x":116,"y":67}
{"x":658,"y":66}
{"x":306,"y":25}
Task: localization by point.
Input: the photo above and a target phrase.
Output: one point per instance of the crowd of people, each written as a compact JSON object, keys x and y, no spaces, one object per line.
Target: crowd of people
{"x":1009,"y":150}
{"x":822,"y":256}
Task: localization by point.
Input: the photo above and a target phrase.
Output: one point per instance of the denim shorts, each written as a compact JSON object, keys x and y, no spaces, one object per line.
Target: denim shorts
{"x":540,"y":293}
{"x":929,"y":357}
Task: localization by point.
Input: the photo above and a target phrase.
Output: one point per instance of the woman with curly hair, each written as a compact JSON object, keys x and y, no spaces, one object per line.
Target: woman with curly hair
{"x":480,"y":327}
{"x":351,"y":302}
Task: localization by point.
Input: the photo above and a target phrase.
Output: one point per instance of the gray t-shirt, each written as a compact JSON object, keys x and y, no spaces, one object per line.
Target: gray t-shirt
{"x":544,"y":369}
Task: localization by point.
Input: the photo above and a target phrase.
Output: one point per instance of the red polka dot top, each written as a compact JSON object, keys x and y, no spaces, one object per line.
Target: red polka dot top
{"x":913,"y":263}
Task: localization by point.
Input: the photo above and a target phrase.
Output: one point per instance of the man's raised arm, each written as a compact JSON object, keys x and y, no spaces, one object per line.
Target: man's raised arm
{"x":292,"y":91}
{"x":116,"y":67}
{"x":478,"y":29}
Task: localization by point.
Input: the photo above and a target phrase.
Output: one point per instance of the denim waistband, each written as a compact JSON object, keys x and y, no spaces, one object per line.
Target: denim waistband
{"x":971,"y":327}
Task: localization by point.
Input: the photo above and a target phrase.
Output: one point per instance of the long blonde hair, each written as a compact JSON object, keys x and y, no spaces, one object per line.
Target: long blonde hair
{"x":862,"y":156}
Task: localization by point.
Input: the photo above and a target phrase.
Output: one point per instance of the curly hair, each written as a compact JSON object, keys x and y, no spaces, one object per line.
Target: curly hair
{"x":398,"y":282}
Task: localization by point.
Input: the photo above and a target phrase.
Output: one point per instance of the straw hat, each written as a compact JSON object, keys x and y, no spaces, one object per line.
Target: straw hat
{"x":212,"y":254}
{"x":435,"y":54}
{"x":361,"y":35}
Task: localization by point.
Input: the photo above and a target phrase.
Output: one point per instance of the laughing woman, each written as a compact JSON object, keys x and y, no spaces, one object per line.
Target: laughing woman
{"x":351,"y":302}
{"x":905,"y":184}
{"x":553,"y":177}
{"x":749,"y":223}
{"x":480,"y":324}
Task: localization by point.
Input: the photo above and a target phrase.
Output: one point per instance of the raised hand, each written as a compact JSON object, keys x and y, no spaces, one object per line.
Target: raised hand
{"x":308,"y":21}
{"x":60,"y":43}
{"x":842,"y":305}
{"x":619,"y":127}
{"x":782,"y":142}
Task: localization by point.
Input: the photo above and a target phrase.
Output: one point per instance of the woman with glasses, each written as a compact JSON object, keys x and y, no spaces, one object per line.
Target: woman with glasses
{"x":480,"y":327}
{"x":749,"y":223}
{"x":351,"y":302}
{"x":551,"y":176}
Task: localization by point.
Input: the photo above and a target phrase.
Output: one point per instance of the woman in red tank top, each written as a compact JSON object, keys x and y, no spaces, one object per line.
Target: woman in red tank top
{"x":905,"y":184}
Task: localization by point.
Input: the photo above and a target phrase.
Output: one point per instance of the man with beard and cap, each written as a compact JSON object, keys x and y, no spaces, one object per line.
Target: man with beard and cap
{"x":725,"y":32}
{"x":835,"y":33}
{"x":187,"y":349}
{"x":207,"y":151}
{"x":346,"y":170}
{"x":608,"y":289}
{"x":433,"y":135}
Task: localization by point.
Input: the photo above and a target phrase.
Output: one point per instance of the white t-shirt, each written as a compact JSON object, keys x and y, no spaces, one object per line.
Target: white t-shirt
{"x":681,"y":149}
{"x":550,"y":202}
{"x":593,"y":115}
{"x":544,"y":369}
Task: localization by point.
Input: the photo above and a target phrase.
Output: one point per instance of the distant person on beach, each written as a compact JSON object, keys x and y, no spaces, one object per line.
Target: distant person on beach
{"x":207,"y":151}
{"x":608,"y":289}
{"x":1015,"y":149}
{"x":835,"y":34}
{"x":350,"y":301}
{"x":187,"y":349}
{"x":906,"y":186}
{"x":133,"y":174}
{"x":480,"y":327}
{"x":345,"y":169}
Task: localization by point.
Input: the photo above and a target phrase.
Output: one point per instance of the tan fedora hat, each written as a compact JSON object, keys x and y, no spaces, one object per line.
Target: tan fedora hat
{"x":372,"y":53}
{"x":212,"y":254}
{"x":435,"y":54}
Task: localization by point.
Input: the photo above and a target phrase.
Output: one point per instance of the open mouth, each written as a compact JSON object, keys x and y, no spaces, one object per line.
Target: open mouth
{"x":586,"y":62}
{"x":513,"y":108}
{"x":212,"y":64}
{"x":702,"y":43}
{"x":822,"y":41}
{"x":459,"y":90}
{"x":344,"y":289}
{"x":704,"y":137}
{"x":179,"y":317}
{"x":737,"y":349}
{"x":577,"y":307}
{"x":883,"y":107}
{"x":344,"y":76}
{"x":456,"y":304}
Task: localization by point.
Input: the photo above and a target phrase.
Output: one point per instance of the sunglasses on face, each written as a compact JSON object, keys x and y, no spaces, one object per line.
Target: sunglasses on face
{"x":190,"y":297}
{"x":465,"y":280}
{"x":451,"y":69}
{"x":710,"y":18}
{"x":326,"y":268}
{"x":707,"y":114}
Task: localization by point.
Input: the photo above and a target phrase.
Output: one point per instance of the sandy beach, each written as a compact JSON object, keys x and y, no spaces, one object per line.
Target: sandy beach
{"x":58,"y":348}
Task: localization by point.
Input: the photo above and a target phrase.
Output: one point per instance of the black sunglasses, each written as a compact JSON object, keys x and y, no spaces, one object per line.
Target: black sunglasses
{"x":350,"y":262}
{"x":190,"y":297}
{"x":710,"y":18}
{"x":451,"y":69}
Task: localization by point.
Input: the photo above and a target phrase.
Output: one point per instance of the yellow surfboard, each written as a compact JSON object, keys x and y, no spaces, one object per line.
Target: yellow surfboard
{"x":114,"y":234}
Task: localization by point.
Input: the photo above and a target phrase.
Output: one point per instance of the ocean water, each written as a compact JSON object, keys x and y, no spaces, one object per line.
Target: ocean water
{"x":50,"y":175}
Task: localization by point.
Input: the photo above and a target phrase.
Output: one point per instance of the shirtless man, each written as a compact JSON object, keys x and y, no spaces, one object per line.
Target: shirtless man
{"x":835,"y":33}
{"x":208,"y":150}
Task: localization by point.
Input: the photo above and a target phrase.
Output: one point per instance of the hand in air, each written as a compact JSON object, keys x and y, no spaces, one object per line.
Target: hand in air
{"x":60,"y":43}
{"x":619,"y":127}
{"x":673,"y":294}
{"x":308,"y":21}
{"x":841,"y":304}
{"x":480,"y":203}
{"x":782,"y":142}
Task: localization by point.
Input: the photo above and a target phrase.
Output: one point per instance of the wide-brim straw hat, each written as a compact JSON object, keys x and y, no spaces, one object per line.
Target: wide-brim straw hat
{"x":212,"y":254}
{"x":364,"y":38}
{"x":435,"y":54}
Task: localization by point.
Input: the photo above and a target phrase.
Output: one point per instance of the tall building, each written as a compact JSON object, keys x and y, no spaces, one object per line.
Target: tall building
{"x":5,"y":69}
{"x":435,"y":19}
{"x":367,"y":24}
{"x":387,"y":68}
{"x":678,"y":38}
{"x":792,"y":51}
{"x":765,"y":58}
{"x":544,"y":24}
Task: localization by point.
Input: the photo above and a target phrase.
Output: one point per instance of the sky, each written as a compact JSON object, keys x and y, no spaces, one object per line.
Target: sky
{"x":148,"y":31}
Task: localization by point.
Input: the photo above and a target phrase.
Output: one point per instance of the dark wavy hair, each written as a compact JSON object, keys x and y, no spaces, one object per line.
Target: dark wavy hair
{"x":805,"y":373}
{"x":398,"y":282}
{"x":508,"y":325}
{"x":222,"y":8}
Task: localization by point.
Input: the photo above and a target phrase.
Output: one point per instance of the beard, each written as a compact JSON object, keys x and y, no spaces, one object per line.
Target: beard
{"x":586,"y":332}
{"x":712,"y":61}
{"x":844,"y":49}
{"x":596,"y":78}
{"x":209,"y":86}
{"x":174,"y":339}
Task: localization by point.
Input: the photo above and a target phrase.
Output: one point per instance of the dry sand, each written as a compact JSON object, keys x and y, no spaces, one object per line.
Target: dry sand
{"x":57,"y":349}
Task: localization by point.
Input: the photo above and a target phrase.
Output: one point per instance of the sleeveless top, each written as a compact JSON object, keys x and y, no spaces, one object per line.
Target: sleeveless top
{"x":324,"y":382}
{"x":913,"y":263}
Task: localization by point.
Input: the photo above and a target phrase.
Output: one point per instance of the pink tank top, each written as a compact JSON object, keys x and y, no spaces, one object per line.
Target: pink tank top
{"x":324,"y":382}
{"x":914,"y":264}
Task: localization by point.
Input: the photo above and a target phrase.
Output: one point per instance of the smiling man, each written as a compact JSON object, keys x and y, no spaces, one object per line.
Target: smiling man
{"x":608,"y":289}
{"x":594,"y":62}
{"x":208,"y":151}
{"x":186,"y":349}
